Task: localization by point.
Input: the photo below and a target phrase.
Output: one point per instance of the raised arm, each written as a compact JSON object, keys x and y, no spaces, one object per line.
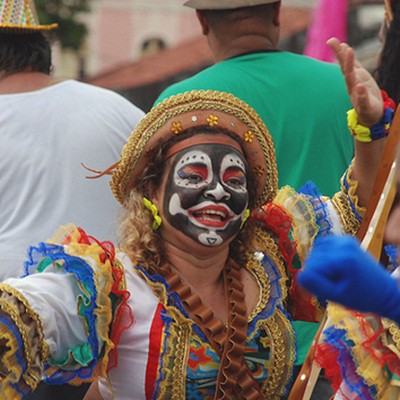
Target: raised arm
{"x":369,"y":109}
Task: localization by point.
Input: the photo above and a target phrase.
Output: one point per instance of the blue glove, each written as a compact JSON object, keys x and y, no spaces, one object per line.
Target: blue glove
{"x":337,"y":269}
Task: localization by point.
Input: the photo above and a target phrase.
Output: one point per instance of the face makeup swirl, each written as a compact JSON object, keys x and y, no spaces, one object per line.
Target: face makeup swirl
{"x":206,"y":193}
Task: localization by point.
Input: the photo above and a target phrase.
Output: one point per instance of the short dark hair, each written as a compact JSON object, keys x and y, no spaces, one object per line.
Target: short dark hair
{"x":25,"y":52}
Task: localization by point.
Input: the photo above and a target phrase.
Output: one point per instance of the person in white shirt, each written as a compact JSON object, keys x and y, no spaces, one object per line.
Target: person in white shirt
{"x":48,"y":128}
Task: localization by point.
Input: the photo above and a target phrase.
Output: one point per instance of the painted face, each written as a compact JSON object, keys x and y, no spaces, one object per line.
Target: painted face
{"x":206,"y":193}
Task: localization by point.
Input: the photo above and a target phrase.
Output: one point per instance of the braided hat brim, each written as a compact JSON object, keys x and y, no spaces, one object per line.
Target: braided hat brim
{"x":178,"y":113}
{"x":10,"y":28}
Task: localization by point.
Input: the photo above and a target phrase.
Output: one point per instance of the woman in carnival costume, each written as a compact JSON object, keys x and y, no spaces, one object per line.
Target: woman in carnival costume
{"x":360,"y":350}
{"x":196,"y":302}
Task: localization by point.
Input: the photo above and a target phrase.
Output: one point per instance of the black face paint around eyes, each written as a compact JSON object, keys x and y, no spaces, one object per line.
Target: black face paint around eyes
{"x":198,"y":201}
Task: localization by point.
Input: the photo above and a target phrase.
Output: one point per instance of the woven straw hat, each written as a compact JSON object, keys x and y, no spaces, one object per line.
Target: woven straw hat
{"x":224,"y":4}
{"x":175,"y":115}
{"x":20,"y":16}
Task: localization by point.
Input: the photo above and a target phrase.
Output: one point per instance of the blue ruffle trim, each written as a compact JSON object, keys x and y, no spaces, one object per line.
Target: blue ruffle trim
{"x":85,"y":275}
{"x":320,"y":208}
{"x":338,"y":340}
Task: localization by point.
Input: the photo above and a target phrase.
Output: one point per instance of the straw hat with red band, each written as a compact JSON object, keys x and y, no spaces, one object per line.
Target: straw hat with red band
{"x":175,"y":115}
{"x":19,"y":16}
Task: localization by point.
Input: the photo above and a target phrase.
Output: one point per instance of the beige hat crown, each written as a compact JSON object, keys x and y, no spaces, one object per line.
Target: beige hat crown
{"x":20,"y":16}
{"x":225,"y":4}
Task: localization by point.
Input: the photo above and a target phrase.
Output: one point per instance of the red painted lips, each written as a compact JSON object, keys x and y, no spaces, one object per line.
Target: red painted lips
{"x":216,"y":216}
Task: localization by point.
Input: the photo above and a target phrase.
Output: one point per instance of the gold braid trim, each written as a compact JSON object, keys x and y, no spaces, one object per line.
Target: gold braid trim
{"x":265,"y":243}
{"x":342,"y":202}
{"x":283,"y":355}
{"x":349,"y":221}
{"x":391,"y":336}
{"x":264,"y":287}
{"x":352,"y":190}
{"x":36,"y":350}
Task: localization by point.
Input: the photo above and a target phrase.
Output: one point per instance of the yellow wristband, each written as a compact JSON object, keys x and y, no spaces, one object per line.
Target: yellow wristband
{"x":360,"y":132}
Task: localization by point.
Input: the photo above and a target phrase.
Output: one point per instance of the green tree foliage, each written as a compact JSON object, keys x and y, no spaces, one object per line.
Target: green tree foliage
{"x":71,"y":30}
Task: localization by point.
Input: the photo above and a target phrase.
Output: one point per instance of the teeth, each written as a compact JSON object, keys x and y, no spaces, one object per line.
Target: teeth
{"x":213,"y":212}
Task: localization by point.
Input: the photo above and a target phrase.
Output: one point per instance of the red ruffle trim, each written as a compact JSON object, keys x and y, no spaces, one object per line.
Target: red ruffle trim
{"x":278,"y":221}
{"x":327,"y":358}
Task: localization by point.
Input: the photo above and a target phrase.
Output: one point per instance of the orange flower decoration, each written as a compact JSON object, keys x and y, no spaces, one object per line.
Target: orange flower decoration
{"x":176,"y":127}
{"x":212,"y":120}
{"x":248,"y":136}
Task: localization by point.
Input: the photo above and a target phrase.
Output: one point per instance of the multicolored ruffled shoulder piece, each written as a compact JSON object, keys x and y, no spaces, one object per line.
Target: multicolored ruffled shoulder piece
{"x":74,"y":289}
{"x":360,"y":354}
{"x":295,"y":219}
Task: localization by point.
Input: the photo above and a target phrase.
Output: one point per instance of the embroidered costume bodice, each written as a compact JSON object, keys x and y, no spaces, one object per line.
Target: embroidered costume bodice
{"x":174,"y":357}
{"x":96,"y":316}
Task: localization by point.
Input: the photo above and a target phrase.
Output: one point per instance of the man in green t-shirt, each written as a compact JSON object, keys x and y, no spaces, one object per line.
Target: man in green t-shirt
{"x":302,"y":101}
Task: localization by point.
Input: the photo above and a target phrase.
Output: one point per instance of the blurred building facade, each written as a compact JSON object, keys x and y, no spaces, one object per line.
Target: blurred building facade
{"x":138,"y":47}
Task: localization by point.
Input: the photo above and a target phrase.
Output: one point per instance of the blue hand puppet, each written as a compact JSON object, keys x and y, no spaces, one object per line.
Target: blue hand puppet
{"x":337,"y":269}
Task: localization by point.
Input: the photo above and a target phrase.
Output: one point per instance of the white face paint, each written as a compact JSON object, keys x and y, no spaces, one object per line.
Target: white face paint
{"x":207,"y":193}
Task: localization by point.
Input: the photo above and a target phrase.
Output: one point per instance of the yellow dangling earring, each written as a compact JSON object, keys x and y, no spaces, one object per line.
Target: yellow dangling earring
{"x":154,"y":210}
{"x":245,"y":218}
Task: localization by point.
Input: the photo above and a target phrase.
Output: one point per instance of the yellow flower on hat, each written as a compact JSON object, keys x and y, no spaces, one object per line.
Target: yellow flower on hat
{"x":212,"y":120}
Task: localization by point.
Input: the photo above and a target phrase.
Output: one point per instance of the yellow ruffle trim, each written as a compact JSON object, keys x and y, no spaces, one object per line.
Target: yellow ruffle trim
{"x":305,"y":227}
{"x":359,"y":332}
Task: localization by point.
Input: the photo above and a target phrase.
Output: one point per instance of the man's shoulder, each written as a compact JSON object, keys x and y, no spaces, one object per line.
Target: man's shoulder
{"x":98,"y":97}
{"x":222,"y":76}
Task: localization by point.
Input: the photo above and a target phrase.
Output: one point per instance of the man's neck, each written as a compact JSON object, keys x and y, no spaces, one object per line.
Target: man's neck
{"x":243,"y":45}
{"x":21,"y":82}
